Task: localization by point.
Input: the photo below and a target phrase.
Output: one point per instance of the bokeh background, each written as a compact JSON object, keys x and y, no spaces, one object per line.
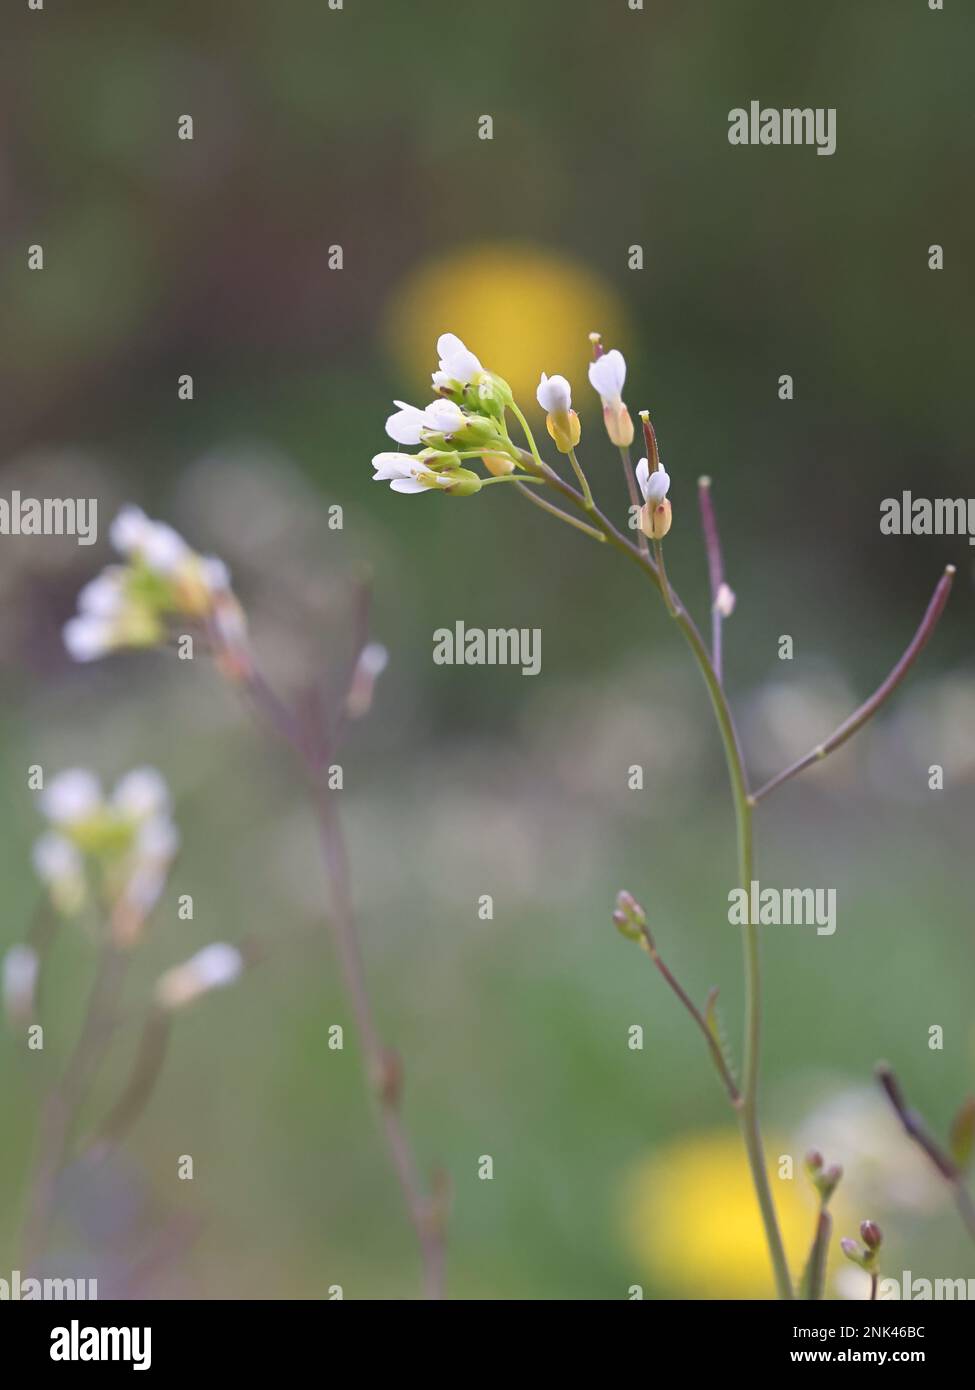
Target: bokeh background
{"x":358,"y":128}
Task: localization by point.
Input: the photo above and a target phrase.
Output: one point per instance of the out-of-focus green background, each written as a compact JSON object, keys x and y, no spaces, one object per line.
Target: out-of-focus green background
{"x":315,"y":128}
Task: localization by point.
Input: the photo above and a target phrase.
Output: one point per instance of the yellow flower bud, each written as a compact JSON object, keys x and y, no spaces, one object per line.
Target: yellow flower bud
{"x":498,"y":464}
{"x":565,"y":429}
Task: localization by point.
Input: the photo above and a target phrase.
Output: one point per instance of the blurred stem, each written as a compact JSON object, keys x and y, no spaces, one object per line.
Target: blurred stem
{"x":64,"y":1102}
{"x":916,"y":1129}
{"x":634,"y":491}
{"x":883,"y":692}
{"x":382,"y":1072}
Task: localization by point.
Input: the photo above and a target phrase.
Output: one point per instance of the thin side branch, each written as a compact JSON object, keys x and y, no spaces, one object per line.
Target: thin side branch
{"x":916,"y":1129}
{"x":714,"y":1047}
{"x":883,"y":692}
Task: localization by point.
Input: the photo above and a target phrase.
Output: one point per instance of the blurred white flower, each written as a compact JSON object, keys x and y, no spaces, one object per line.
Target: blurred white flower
{"x":18,"y":982}
{"x":140,"y":793}
{"x":71,"y":796}
{"x":214,"y":967}
{"x":55,"y":857}
{"x":88,"y":638}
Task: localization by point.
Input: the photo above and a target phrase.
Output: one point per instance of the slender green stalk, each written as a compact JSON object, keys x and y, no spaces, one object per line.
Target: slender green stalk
{"x":658,"y":552}
{"x":557,"y":511}
{"x":583,"y":480}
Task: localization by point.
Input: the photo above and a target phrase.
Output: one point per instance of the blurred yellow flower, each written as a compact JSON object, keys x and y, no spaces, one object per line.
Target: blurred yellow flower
{"x":522,"y":309}
{"x":691,"y":1219}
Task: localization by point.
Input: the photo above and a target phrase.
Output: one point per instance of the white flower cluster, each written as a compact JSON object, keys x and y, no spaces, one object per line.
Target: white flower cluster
{"x":130,"y":604}
{"x":129,"y":838}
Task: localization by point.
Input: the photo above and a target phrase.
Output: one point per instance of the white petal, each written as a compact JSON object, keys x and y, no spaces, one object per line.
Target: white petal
{"x":444,"y":417}
{"x":140,"y":793}
{"x":158,"y":840}
{"x":607,"y":375}
{"x":128,"y":531}
{"x":456,"y":361}
{"x":55,"y":857}
{"x":642,"y":473}
{"x":163,"y":548}
{"x":72,"y":796}
{"x":406,"y":425}
{"x":216,"y":575}
{"x":87,"y":638}
{"x":408,"y":485}
{"x":554,"y":394}
{"x":103,"y":596}
{"x":21,"y":965}
{"x":392,"y":465}
{"x":657,"y":486}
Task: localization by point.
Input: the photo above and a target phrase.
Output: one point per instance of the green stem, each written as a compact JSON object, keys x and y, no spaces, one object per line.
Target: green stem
{"x":557,"y":511}
{"x":658,"y":552}
{"x":583,"y":480}
{"x":751,"y":1131}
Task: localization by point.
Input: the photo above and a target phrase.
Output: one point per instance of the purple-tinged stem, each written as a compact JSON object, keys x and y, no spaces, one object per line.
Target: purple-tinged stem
{"x":883,"y":692}
{"x":727,"y":1079}
{"x":916,"y":1129}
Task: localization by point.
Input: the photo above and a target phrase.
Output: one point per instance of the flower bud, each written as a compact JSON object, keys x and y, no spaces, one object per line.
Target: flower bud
{"x":814,"y":1161}
{"x":629,"y":917}
{"x":872,"y":1235}
{"x":655,"y":521}
{"x":619,"y":425}
{"x":464,"y":482}
{"x":498,"y":464}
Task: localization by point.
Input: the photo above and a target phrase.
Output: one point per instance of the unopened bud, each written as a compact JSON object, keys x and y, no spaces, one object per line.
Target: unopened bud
{"x":655,"y":520}
{"x":371,"y":664}
{"x":814,"y":1161}
{"x":872,"y":1235}
{"x":724,"y":601}
{"x":565,"y":429}
{"x":619,"y":425}
{"x":464,"y":482}
{"x":498,"y":464}
{"x":629,"y":917}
